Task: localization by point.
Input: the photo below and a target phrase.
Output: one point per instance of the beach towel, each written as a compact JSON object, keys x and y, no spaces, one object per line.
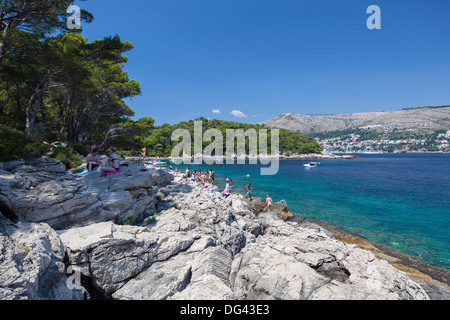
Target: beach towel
{"x":81,"y":174}
{"x":86,"y":172}
{"x":110,"y":172}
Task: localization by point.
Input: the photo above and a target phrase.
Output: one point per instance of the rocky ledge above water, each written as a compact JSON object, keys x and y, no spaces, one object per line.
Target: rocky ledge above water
{"x":185,"y":243}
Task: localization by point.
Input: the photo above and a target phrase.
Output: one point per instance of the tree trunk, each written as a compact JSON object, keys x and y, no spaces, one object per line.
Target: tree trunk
{"x":70,"y":114}
{"x":28,"y":113}
{"x":33,"y":104}
{"x":3,"y":45}
{"x":19,"y":103}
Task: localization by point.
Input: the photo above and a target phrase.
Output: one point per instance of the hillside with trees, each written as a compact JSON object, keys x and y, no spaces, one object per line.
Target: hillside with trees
{"x":55,"y":85}
{"x":158,"y":142}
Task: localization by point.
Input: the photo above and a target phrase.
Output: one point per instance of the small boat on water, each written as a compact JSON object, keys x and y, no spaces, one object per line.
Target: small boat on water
{"x":160,"y":164}
{"x":156,"y":163}
{"x":311,"y":164}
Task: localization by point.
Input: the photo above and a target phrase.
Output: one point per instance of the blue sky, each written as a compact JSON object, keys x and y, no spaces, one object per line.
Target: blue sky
{"x":255,"y":59}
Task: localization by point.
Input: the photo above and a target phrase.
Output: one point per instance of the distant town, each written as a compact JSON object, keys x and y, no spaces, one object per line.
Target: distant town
{"x":417,"y":129}
{"x":367,"y":140}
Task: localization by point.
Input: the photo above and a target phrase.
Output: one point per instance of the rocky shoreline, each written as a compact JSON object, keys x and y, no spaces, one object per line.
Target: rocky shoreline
{"x":147,"y":234}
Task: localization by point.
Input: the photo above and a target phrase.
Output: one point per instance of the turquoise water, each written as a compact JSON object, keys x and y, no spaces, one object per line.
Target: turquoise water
{"x":401,"y":201}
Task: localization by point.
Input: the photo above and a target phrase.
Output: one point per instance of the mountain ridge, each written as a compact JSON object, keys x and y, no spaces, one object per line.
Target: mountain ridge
{"x":426,"y":119}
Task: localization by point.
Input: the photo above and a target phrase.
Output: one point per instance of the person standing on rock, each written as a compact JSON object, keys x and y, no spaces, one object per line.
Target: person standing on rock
{"x":205,"y":180}
{"x":249,"y":193}
{"x":269,"y":202}
{"x":212,"y":176}
{"x":196,"y":178}
{"x":227,"y":190}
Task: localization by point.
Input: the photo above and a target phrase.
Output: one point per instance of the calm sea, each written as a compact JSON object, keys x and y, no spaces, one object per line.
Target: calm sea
{"x":401,"y":201}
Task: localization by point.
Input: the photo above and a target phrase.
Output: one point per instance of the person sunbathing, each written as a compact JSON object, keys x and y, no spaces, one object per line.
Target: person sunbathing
{"x":113,"y":162}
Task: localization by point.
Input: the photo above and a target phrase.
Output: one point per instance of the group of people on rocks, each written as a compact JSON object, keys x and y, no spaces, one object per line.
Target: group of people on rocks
{"x":198,"y":176}
{"x":93,"y":161}
{"x":208,"y":176}
{"x":113,"y":164}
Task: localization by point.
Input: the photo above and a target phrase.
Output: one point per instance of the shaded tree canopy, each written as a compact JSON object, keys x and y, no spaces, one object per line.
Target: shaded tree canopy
{"x":54,"y":84}
{"x":57,"y":86}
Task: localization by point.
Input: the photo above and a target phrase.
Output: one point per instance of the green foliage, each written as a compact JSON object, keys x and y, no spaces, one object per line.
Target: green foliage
{"x":335,"y":134}
{"x":130,"y":221}
{"x":426,"y":107}
{"x":14,"y":145}
{"x":129,"y":135}
{"x":374,"y":134}
{"x":418,"y":140}
{"x":54,"y":84}
{"x":151,"y":220}
{"x":67,"y":157}
{"x":81,"y":149}
{"x":158,"y":142}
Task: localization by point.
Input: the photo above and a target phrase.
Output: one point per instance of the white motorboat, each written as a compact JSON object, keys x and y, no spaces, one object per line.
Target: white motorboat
{"x":160,"y":164}
{"x":311,"y":164}
{"x":156,"y":163}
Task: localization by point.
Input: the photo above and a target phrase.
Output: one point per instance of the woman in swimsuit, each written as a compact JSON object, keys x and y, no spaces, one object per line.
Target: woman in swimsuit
{"x":113,"y":162}
{"x":269,"y":202}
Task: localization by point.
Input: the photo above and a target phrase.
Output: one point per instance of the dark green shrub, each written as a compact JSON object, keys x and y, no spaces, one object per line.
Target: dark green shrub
{"x":81,"y":149}
{"x":14,"y":145}
{"x":130,"y":221}
{"x":67,"y":157}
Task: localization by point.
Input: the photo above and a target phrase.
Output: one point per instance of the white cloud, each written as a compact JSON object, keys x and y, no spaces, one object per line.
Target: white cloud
{"x":216,"y":111}
{"x":238,"y":114}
